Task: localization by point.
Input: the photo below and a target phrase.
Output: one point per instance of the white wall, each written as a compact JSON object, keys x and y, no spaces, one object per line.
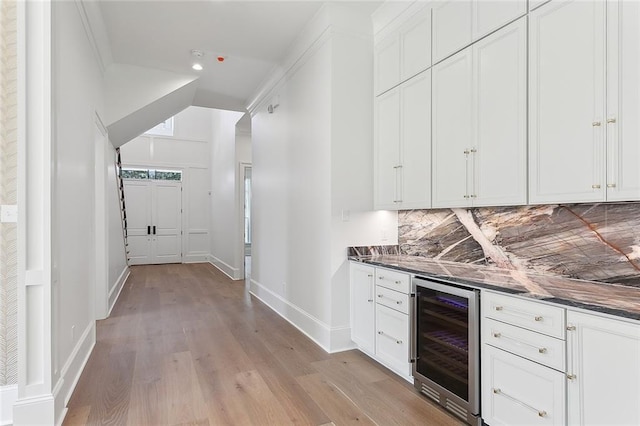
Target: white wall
{"x":312,"y":160}
{"x":77,"y":93}
{"x":188,"y":150}
{"x":224,"y":219}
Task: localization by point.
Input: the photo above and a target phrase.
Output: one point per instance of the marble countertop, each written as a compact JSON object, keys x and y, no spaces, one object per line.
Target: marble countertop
{"x":614,"y":299}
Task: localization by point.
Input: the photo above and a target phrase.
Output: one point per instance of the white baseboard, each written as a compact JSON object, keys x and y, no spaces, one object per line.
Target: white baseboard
{"x":71,"y":371}
{"x":225,"y":268}
{"x":8,"y":397}
{"x":336,"y":339}
{"x":114,"y":293}
{"x":196,"y":258}
{"x":38,"y":410}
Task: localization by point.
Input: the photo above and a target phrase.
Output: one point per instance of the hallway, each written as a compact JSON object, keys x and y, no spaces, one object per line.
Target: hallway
{"x":186,"y":345}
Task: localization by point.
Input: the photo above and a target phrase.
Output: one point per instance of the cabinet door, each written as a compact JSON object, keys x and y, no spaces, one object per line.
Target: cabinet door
{"x":451,"y":27}
{"x":387,"y":150}
{"x":451,"y":121}
{"x":387,"y":63}
{"x":415,"y":147}
{"x":566,"y":116}
{"x":362,"y":307}
{"x":415,"y":40}
{"x":392,"y":339}
{"x":603,"y":356}
{"x":500,"y":117}
{"x":623,"y":100}
{"x":489,"y":15}
{"x":516,"y":391}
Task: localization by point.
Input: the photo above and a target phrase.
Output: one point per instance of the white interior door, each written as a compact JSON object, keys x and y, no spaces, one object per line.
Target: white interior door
{"x":154,"y":221}
{"x":138,"y":207}
{"x":167,"y":222}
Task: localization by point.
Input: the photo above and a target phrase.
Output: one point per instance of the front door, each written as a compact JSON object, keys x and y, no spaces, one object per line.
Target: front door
{"x":154,"y":221}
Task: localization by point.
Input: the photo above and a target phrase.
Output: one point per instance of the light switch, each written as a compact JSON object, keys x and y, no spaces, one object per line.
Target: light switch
{"x":9,"y":213}
{"x":345,"y":215}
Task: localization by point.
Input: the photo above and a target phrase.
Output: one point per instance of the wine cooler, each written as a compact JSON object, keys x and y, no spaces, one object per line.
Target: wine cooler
{"x":446,"y":346}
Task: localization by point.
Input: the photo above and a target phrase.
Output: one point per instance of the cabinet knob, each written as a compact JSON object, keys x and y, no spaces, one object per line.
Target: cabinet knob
{"x":538,"y":319}
{"x":473,"y":150}
{"x":465,"y":196}
{"x":571,"y":376}
{"x":611,"y":120}
{"x":611,"y":185}
{"x":596,"y":124}
{"x":596,"y":186}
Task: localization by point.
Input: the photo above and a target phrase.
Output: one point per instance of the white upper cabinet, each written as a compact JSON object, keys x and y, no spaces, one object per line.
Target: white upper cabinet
{"x":479,"y":123}
{"x":415,"y":44}
{"x":623,"y":101}
{"x":387,"y":63}
{"x":458,"y":23}
{"x":404,"y":53}
{"x":566,"y":113}
{"x":403,"y":146}
{"x":451,"y":27}
{"x":489,"y":15}
{"x":386,"y":150}
{"x":500,"y":118}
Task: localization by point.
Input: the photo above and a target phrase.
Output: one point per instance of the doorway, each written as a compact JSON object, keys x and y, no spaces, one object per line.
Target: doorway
{"x":154,"y":216}
{"x":247,"y":221}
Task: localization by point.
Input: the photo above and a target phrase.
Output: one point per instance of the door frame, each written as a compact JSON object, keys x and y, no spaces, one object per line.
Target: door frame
{"x":101,"y":233}
{"x":242,"y":166}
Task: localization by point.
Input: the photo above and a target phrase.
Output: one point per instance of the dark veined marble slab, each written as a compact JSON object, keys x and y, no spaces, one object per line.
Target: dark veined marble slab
{"x":593,"y":242}
{"x":373,"y":250}
{"x":614,"y":299}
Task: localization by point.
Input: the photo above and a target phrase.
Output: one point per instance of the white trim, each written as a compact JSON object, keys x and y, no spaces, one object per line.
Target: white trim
{"x":8,"y":397}
{"x":71,"y":371}
{"x":37,"y":410}
{"x":225,"y":268}
{"x":196,"y":257}
{"x":117,"y":288}
{"x":331,"y":339}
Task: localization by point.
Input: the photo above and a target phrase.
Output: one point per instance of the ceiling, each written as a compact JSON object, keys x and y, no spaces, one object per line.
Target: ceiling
{"x":254,"y":36}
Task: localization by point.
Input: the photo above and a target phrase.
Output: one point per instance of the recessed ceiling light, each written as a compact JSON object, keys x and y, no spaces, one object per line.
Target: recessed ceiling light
{"x":197,"y":57}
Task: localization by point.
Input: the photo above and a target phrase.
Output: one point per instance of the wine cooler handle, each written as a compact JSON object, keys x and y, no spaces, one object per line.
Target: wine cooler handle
{"x":413,"y":346}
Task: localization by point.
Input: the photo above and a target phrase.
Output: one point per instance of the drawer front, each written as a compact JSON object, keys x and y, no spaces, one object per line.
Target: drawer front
{"x":392,"y":299}
{"x":392,"y":339}
{"x":527,"y":314}
{"x":394,"y":280}
{"x":537,"y":347}
{"x":516,"y":391}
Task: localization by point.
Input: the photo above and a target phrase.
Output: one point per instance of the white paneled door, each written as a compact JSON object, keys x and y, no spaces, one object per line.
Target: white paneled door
{"x":154,"y":221}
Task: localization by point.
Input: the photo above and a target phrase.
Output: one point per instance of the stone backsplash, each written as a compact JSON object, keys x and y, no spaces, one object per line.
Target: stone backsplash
{"x":597,"y":242}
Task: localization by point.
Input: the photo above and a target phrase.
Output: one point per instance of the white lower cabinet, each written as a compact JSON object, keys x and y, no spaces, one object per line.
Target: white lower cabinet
{"x":380,"y":315}
{"x":603,"y":370}
{"x":392,"y":339}
{"x":363,"y":306}
{"x":517,"y":391}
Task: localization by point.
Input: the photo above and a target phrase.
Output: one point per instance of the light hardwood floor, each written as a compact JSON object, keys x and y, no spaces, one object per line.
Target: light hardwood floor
{"x":186,"y":345}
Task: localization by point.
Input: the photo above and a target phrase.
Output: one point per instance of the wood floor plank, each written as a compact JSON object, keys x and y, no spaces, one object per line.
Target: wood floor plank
{"x":338,"y":406}
{"x":187,"y":345}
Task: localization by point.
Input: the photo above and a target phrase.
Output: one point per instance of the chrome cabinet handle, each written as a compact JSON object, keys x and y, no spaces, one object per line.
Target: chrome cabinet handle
{"x":596,"y":124}
{"x":611,"y":185}
{"x":520,"y":342}
{"x":498,"y":391}
{"x":596,"y":186}
{"x":611,"y":120}
{"x":537,"y":318}
{"x":382,"y":333}
{"x":382,"y":296}
{"x":570,"y":358}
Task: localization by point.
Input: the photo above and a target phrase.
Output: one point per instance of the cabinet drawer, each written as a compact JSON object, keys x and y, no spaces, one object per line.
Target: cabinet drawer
{"x":397,"y":281}
{"x":524,"y":313}
{"x":392,"y":299}
{"x":528,"y":344}
{"x":392,"y":339}
{"x":516,"y":391}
